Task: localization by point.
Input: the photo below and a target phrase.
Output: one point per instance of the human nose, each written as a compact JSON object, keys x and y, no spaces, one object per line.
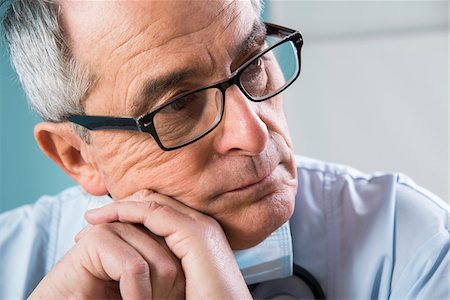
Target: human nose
{"x":241,"y":131}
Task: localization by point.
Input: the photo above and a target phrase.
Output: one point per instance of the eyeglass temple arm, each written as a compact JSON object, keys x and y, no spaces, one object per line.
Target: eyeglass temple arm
{"x":277,"y":29}
{"x":100,"y":122}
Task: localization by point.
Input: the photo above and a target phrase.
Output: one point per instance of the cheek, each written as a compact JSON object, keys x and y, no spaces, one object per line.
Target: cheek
{"x":119,"y":156}
{"x":129,"y":162}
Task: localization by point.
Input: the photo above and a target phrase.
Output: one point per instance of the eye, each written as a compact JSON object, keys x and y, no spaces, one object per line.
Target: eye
{"x":257,"y":63}
{"x":182,"y":104}
{"x":253,"y":72}
{"x":254,"y":79}
{"x":179,"y":104}
{"x":255,"y":68}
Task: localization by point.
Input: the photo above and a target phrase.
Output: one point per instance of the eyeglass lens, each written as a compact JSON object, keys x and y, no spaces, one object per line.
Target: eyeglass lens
{"x":271,"y":72}
{"x":190,"y":117}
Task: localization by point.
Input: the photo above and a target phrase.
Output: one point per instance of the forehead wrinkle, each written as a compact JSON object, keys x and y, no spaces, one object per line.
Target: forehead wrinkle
{"x":233,"y":18}
{"x":139,"y":36}
{"x":122,"y":47}
{"x":225,"y":7}
{"x":154,"y":88}
{"x":151,"y":90}
{"x":136,"y":39}
{"x":160,"y":85}
{"x":165,"y":40}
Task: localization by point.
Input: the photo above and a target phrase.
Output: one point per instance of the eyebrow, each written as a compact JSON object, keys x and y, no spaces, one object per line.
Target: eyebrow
{"x":255,"y":38}
{"x":156,"y":87}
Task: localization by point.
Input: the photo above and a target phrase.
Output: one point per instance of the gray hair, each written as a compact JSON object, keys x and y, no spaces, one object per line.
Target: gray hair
{"x":54,"y":83}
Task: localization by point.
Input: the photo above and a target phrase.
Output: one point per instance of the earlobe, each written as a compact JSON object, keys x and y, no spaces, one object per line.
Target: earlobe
{"x":66,"y":148}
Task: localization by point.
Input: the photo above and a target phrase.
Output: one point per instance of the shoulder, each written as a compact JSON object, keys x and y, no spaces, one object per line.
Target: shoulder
{"x":377,"y":227}
{"x":344,"y":192}
{"x":30,"y":239}
{"x":40,"y":212}
{"x":422,"y":243}
{"x":348,"y":186}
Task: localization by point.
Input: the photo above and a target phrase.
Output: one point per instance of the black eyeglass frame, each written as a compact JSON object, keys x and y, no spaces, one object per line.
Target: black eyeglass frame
{"x":145,"y":122}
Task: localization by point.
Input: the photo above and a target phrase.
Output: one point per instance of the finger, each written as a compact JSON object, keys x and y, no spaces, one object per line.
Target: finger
{"x":135,"y":280}
{"x":167,"y":276}
{"x":83,"y":232}
{"x":109,"y":257}
{"x":146,"y":195}
{"x":160,"y":219}
{"x":175,"y":227}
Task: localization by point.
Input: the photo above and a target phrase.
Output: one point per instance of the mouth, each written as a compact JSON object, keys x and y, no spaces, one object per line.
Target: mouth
{"x":244,"y":182}
{"x":250,"y":185}
{"x":254,"y":189}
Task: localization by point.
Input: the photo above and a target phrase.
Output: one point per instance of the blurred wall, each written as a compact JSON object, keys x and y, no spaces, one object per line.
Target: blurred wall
{"x":373,"y":92}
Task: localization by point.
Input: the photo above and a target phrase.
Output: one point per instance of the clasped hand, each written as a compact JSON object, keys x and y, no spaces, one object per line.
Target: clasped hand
{"x":146,"y":246}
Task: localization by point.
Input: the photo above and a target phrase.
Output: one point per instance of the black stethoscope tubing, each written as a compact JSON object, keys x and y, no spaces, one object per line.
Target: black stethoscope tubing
{"x":307,"y":278}
{"x":310,"y":281}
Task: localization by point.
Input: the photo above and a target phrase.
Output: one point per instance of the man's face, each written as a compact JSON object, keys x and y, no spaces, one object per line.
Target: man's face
{"x":242,"y":173}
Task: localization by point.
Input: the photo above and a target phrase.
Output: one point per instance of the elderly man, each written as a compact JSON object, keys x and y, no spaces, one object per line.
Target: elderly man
{"x":169,"y":116}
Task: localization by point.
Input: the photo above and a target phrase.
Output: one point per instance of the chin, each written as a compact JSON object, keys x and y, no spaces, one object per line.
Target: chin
{"x":253,"y":224}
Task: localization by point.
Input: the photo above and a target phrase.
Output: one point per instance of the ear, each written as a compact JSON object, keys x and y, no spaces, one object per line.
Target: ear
{"x":63,"y":145}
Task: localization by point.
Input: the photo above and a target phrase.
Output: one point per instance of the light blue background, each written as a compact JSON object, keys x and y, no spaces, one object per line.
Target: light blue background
{"x":26,"y":173}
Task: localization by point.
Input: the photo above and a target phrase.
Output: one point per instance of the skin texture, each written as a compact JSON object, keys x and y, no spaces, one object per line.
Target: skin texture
{"x":113,"y":258}
{"x":212,"y":179}
{"x":251,"y":141}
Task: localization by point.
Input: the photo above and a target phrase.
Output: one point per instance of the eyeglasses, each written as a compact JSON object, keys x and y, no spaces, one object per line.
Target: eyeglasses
{"x":192,"y":115}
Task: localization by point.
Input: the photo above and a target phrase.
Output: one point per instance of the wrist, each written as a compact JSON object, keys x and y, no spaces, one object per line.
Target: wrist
{"x":212,"y":272}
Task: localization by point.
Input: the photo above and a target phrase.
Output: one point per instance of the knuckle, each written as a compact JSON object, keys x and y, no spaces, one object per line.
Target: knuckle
{"x":101,"y":233}
{"x":152,"y":207}
{"x":205,"y":220}
{"x":168,"y":272}
{"x":143,"y":195}
{"x":136,"y":265}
